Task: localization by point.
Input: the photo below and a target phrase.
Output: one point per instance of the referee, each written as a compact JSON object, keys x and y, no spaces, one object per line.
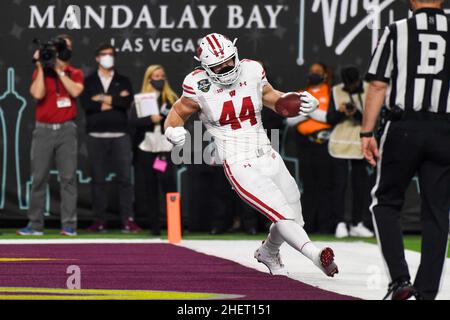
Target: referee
{"x":410,"y":73}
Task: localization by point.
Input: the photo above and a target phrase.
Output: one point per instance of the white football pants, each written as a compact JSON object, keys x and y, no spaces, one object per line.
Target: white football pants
{"x":267,"y":185}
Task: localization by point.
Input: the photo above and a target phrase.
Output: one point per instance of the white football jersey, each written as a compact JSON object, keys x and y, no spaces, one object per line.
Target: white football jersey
{"x":232,"y":114}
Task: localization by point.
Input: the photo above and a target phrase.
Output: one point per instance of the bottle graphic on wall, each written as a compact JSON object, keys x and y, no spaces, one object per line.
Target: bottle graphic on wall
{"x":12,"y":106}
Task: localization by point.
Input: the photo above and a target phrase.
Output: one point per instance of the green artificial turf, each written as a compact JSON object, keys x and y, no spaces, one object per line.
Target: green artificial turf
{"x":412,"y":242}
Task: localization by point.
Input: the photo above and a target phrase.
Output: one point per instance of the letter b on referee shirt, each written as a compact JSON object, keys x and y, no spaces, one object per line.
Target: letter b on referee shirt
{"x":432,"y":54}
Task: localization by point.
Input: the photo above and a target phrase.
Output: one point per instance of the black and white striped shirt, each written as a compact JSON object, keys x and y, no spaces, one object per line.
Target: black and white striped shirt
{"x":413,"y":55}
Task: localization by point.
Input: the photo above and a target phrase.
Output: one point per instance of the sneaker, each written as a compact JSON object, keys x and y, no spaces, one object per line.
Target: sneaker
{"x":360,"y":231}
{"x":68,"y":231}
{"x":402,"y":290}
{"x":341,"y":230}
{"x":325,"y":262}
{"x":271,"y":261}
{"x":98,"y":226}
{"x":28,"y":231}
{"x":130,"y":226}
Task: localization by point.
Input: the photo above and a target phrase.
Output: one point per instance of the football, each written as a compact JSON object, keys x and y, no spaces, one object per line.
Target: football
{"x":288,"y":105}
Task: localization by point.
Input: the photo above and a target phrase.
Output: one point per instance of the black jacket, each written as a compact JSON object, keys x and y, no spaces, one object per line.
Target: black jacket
{"x":114,"y":120}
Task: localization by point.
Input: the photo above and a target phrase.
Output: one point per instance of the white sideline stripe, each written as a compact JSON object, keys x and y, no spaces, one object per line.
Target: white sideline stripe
{"x":81,"y":241}
{"x":360,"y":264}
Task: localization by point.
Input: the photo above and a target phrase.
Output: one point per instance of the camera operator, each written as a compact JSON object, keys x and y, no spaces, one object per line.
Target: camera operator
{"x":55,"y":86}
{"x":345,"y":112}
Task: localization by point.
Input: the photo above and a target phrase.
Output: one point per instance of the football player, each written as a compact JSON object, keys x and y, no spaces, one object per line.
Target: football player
{"x":229,"y":94}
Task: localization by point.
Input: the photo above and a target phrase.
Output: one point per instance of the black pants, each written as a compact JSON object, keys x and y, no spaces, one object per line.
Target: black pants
{"x":360,"y":189}
{"x":106,"y":154}
{"x":316,"y":175}
{"x":409,"y":147}
{"x":154,"y":185}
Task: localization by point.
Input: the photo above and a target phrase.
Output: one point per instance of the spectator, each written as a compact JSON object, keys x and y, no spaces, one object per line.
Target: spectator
{"x":55,"y":137}
{"x":311,"y":137}
{"x":151,"y":149}
{"x":345,"y":113}
{"x":106,"y":100}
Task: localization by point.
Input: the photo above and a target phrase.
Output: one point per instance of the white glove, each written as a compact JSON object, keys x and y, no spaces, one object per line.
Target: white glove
{"x":176,"y":136}
{"x":308,"y":103}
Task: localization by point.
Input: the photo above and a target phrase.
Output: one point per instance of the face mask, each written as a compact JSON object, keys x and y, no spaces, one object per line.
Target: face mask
{"x":226,"y":69}
{"x":107,"y":61}
{"x":65,"y":55}
{"x":315,"y":79}
{"x":158,"y":84}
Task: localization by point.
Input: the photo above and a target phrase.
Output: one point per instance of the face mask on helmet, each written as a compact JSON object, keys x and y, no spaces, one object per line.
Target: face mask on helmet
{"x":214,"y":50}
{"x":227,"y":75}
{"x":225,"y":70}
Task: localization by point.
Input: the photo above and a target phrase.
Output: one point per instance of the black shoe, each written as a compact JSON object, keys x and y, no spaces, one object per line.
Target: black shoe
{"x":402,"y":290}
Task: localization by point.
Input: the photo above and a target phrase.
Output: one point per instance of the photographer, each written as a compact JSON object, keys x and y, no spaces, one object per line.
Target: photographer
{"x":345,"y":112}
{"x":55,"y":86}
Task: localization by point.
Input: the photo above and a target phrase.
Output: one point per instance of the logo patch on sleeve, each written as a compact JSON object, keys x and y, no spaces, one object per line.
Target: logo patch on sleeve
{"x":204,"y":85}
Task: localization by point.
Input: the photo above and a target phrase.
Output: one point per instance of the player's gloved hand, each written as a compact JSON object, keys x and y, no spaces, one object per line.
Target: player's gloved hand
{"x":176,"y":136}
{"x":308,"y":103}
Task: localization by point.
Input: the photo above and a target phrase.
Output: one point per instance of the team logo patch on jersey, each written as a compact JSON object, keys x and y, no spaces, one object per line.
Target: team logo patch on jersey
{"x":204,"y":85}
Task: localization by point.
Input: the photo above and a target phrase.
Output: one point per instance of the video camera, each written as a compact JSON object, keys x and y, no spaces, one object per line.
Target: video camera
{"x":50,"y":51}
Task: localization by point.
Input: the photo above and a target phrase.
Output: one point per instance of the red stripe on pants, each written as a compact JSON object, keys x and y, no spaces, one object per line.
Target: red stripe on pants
{"x":264,"y":208}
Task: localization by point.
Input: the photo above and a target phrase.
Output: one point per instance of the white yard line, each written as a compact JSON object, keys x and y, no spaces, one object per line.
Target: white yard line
{"x":361,"y":269}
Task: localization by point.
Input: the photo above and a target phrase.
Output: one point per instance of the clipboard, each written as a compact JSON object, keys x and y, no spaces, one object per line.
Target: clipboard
{"x":146,"y":104}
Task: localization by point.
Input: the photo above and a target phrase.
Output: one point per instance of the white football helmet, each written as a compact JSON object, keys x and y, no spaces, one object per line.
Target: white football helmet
{"x":215,"y":49}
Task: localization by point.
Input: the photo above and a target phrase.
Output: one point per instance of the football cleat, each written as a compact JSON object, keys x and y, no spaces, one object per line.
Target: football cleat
{"x":271,"y":261}
{"x":326,"y":262}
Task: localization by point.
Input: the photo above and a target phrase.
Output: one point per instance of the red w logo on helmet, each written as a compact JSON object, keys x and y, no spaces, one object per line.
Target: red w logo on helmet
{"x":199,"y":51}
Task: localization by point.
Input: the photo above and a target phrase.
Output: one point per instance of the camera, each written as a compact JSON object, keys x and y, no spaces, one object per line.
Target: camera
{"x":49,"y":51}
{"x":350,"y":107}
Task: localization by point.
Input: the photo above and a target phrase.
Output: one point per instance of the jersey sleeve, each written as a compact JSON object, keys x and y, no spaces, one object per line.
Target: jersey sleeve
{"x":381,"y":65}
{"x":261,"y":73}
{"x":189,"y":88}
{"x":264,"y":80}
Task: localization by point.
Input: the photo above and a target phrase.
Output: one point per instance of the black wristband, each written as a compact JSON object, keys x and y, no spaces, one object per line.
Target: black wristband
{"x":366,"y":134}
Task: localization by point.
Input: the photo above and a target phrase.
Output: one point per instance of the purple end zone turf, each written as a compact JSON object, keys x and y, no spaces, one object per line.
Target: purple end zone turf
{"x":148,"y":267}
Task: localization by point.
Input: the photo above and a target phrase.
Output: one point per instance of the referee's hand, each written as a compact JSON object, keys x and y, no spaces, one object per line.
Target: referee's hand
{"x":370,"y":150}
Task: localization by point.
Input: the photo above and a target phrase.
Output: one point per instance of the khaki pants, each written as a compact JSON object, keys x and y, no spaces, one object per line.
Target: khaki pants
{"x":61,"y":145}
